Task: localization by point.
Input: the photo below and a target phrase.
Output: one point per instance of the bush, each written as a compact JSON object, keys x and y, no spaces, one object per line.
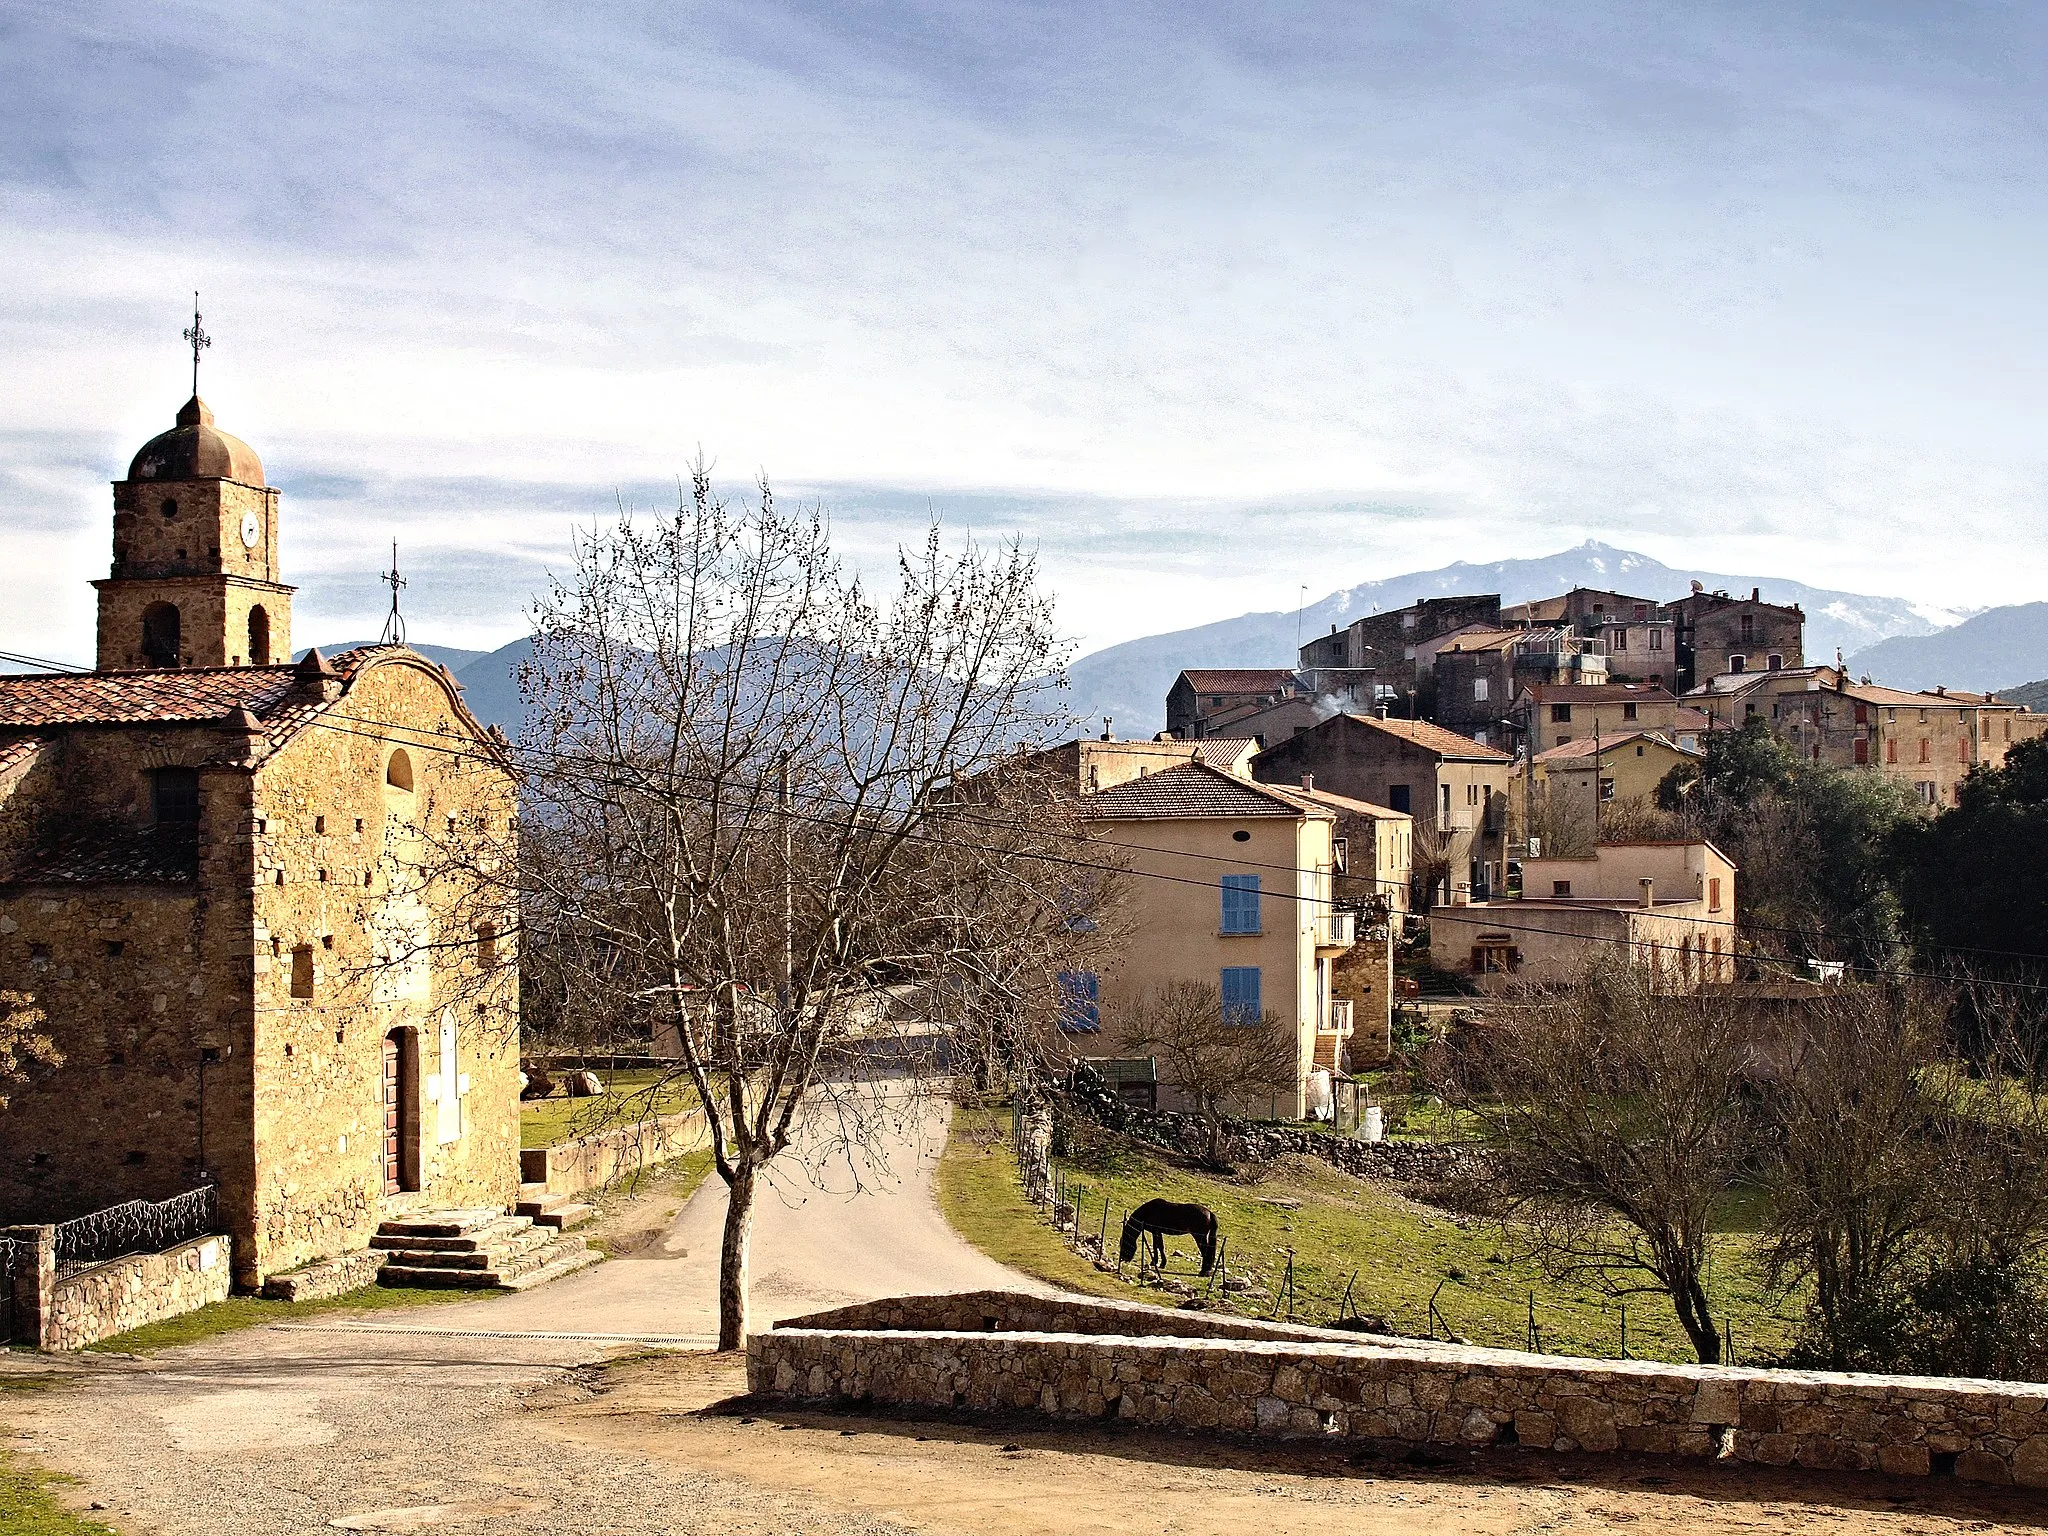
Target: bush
{"x":1967,"y":1317}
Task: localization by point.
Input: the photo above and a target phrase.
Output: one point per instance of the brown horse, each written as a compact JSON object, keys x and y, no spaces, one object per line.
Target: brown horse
{"x":1157,"y":1218}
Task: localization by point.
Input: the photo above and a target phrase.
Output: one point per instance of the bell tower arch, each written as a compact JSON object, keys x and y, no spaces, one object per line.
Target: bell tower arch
{"x":194,"y":581}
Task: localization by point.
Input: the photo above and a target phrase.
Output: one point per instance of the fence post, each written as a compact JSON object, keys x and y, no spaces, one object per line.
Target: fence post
{"x":34,"y":1283}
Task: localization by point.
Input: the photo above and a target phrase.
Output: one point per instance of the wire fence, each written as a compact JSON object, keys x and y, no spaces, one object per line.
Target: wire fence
{"x":139,"y":1226}
{"x":1268,"y":1283}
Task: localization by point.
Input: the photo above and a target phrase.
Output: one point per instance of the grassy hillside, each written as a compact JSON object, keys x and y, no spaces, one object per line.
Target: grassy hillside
{"x":1400,"y":1251}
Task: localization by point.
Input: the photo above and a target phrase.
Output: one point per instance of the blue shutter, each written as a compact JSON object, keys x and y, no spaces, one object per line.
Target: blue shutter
{"x":1241,"y":904}
{"x":1080,"y":1002}
{"x":1241,"y":1004}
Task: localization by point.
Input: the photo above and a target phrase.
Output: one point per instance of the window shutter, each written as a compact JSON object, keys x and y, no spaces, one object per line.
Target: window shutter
{"x":1241,"y":904}
{"x":1241,"y":1001}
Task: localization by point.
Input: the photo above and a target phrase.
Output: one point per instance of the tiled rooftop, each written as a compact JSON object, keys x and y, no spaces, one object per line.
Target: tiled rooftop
{"x":1240,"y":680}
{"x":1434,"y":738}
{"x":1193,"y":789}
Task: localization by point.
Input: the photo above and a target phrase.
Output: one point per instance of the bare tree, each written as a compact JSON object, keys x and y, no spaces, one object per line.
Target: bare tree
{"x":24,"y":1048}
{"x":1560,"y":822}
{"x":1850,"y":1179}
{"x":743,"y":818}
{"x":1614,"y":1114}
{"x":1218,"y":1062}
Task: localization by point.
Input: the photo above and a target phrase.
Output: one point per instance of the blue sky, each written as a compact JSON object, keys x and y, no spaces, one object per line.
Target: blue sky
{"x":1208,"y":302}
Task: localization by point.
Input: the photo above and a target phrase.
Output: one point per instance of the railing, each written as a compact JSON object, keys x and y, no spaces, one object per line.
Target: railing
{"x":1340,"y":1015}
{"x":11,"y":1253}
{"x":140,"y":1226}
{"x":1337,"y":930}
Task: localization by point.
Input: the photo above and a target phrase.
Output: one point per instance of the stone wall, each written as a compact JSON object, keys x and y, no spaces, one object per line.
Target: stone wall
{"x":1016,"y":1312}
{"x":1993,"y":1432}
{"x":597,"y":1159}
{"x":112,"y":1298}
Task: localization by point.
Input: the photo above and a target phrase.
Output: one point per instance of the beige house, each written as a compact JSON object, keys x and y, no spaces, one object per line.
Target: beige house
{"x":212,"y":884}
{"x":1668,"y":907}
{"x":1105,"y":762}
{"x":1590,"y":773}
{"x":1235,"y":883}
{"x":1551,"y":714}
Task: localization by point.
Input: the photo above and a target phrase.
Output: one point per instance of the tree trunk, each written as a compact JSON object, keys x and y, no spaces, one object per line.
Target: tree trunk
{"x":1696,"y":1316}
{"x":732,"y":1258}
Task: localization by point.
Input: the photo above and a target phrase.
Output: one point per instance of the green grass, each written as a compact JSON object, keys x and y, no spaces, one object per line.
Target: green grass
{"x":239,"y":1312}
{"x":1399,"y":1249}
{"x":629,"y":1097}
{"x":29,"y":1508}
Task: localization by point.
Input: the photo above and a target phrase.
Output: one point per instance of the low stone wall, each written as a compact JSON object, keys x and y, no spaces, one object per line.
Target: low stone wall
{"x":1016,"y":1312}
{"x":1993,"y":1432}
{"x":327,"y":1277}
{"x":570,"y":1167}
{"x":112,"y":1298}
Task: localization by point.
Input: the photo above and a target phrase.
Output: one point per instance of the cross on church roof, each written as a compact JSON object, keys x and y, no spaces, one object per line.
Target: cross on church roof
{"x":394,"y":626}
{"x":200,"y":341}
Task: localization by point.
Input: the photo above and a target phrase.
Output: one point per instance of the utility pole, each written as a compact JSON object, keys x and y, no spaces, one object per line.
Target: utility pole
{"x":1596,"y":780}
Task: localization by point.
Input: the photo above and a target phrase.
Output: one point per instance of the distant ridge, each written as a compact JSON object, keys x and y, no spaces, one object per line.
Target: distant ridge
{"x":1999,"y":648}
{"x":1128,"y":682}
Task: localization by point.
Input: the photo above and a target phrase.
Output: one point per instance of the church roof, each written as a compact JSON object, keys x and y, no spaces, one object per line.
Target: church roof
{"x":171,"y":696}
{"x":195,"y":449}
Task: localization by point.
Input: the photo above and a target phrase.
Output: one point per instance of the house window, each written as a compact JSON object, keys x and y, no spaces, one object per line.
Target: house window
{"x":1925,"y":748}
{"x":1628,"y":711}
{"x":1656,"y":639}
{"x":1738,"y":663}
{"x":1080,"y":1002}
{"x":1407,"y":621}
{"x":1397,"y":798}
{"x":1891,"y":750}
{"x":1560,"y":714}
{"x":1963,"y":751}
{"x":1340,"y":854}
{"x":1483,"y":737}
{"x":302,"y":971}
{"x":1240,"y":903}
{"x":1560,"y":888}
{"x":486,"y":946}
{"x":1714,"y":894}
{"x":1926,"y":792}
{"x":1862,"y":750}
{"x":1619,"y":639}
{"x":1774,"y":661}
{"x":1479,"y":690}
{"x":174,"y":796}
{"x":1748,"y":627}
{"x":1241,"y":1000}
{"x":1642,"y":610}
{"x":1607,"y":789}
{"x":1862,"y":714}
{"x":1444,"y":809}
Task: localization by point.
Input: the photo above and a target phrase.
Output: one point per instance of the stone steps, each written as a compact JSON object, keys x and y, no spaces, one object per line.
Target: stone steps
{"x":545,"y":1210}
{"x":477,"y":1250}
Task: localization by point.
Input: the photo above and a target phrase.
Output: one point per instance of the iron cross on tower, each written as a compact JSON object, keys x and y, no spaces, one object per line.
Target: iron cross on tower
{"x":394,"y":626}
{"x":200,"y":342}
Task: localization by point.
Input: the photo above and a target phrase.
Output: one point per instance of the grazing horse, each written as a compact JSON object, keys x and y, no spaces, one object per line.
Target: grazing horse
{"x":1155,"y":1218}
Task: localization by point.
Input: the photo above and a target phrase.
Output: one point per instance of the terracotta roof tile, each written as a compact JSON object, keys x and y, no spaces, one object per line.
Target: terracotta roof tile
{"x":1192,"y":789}
{"x":110,"y":855}
{"x":1599,"y":693}
{"x":1582,"y":746}
{"x":1240,"y":680}
{"x":1434,"y":738}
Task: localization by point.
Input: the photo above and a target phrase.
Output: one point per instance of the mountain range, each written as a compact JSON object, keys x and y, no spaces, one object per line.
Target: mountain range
{"x":1898,"y":642}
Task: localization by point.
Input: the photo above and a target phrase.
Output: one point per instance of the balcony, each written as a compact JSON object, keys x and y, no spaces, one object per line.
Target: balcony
{"x":1340,"y":1016}
{"x":1336,"y":930}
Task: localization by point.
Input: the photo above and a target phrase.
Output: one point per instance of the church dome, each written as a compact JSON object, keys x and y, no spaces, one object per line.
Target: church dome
{"x":196,"y":450}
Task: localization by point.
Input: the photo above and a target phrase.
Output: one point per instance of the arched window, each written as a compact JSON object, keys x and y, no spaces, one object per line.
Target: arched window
{"x":398,"y":771}
{"x":160,"y":636}
{"x":259,"y":637}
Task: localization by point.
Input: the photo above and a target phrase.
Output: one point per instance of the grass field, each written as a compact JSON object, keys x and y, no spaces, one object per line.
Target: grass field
{"x":29,"y":1508}
{"x":1400,"y":1251}
{"x":248,"y":1311}
{"x":628,"y":1097}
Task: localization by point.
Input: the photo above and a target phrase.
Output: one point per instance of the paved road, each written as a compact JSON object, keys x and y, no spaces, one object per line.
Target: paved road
{"x":280,"y":1431}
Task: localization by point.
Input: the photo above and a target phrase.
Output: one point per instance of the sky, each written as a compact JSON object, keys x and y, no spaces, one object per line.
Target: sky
{"x":1207,"y":303}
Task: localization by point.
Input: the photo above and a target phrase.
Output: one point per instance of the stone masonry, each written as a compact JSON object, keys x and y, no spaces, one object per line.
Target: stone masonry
{"x":1425,"y":1394}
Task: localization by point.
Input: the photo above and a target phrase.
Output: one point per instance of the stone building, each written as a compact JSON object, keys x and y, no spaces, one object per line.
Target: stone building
{"x":1716,"y":633}
{"x":1549,"y":715}
{"x":253,"y":899}
{"x":1479,"y":674}
{"x":1455,"y":790}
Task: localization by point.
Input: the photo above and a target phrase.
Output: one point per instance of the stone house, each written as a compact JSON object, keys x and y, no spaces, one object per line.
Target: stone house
{"x":1478,"y":674}
{"x":1667,"y":907}
{"x":1716,"y":633}
{"x":253,"y":899}
{"x":1455,"y":790}
{"x":1088,"y":764}
{"x":1398,"y":645}
{"x":1263,"y":704}
{"x":1930,"y":740}
{"x":1200,"y":695}
{"x":1234,"y":886}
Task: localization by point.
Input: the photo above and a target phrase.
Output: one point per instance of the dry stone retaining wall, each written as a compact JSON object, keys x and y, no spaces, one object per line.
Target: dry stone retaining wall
{"x":1016,"y":1312}
{"x":1993,"y":1432}
{"x":587,"y":1162}
{"x":112,"y":1298}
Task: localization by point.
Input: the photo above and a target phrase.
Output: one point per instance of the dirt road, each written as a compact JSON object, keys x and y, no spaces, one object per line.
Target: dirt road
{"x":458,"y":1417}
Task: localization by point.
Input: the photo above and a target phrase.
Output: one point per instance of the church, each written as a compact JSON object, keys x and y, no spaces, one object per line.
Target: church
{"x":262,"y":907}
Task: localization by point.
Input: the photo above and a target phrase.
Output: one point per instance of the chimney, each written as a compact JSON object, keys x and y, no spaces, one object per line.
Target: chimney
{"x":1649,"y":891}
{"x":1308,"y":783}
{"x":1756,"y":594}
{"x":1107,"y":733}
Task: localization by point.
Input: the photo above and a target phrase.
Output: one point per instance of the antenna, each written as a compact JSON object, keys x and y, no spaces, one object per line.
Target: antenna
{"x":200,"y":342}
{"x":394,"y":626}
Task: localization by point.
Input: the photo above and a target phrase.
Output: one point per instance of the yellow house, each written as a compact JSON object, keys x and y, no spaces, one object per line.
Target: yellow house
{"x":1233,"y":885}
{"x":1627,"y":767}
